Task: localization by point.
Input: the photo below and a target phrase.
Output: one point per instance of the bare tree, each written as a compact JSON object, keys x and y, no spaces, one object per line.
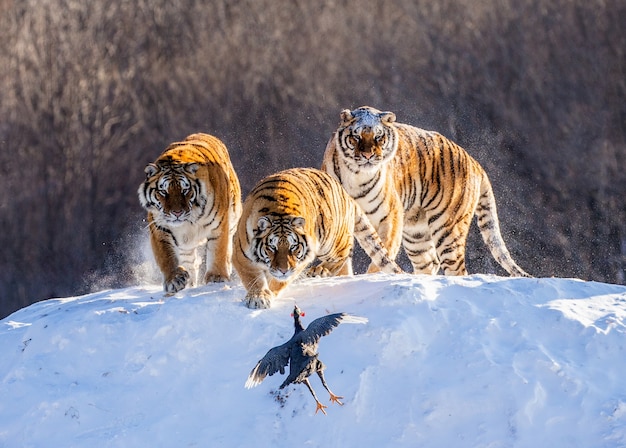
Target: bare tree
{"x":92,"y":91}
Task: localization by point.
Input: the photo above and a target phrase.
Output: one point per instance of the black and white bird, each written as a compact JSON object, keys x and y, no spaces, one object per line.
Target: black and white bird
{"x":300,"y":353}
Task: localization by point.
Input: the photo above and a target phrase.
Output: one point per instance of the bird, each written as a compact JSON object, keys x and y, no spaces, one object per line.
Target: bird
{"x":300,"y":353}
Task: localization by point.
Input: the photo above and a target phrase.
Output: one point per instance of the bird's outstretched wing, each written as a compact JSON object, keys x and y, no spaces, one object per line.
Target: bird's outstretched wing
{"x":274,"y":360}
{"x":324,"y":325}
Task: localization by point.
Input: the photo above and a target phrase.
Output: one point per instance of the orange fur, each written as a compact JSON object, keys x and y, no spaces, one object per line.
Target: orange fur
{"x":418,"y":188}
{"x":193,"y":199}
{"x":292,"y":218}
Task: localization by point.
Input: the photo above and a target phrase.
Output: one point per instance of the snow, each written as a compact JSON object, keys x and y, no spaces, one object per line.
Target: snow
{"x":476,"y":361}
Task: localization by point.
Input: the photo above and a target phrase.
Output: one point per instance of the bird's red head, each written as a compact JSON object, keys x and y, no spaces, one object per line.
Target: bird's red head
{"x":297,"y":312}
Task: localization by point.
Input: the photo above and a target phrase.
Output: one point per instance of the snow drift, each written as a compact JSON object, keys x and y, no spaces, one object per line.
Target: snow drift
{"x":477,"y":361}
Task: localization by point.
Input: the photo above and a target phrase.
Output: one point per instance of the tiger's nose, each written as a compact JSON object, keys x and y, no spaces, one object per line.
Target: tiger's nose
{"x":177,"y":213}
{"x":368,"y":155}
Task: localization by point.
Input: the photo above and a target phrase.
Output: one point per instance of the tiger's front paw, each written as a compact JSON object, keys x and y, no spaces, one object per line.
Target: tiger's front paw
{"x":176,"y":282}
{"x":259,"y":299}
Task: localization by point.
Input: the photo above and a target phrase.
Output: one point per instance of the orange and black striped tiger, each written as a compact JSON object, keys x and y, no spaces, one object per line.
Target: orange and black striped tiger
{"x":292,"y":218}
{"x":193,"y":199}
{"x":418,"y":189}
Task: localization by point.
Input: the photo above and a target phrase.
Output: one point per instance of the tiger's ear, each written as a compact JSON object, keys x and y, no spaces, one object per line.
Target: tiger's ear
{"x":387,"y":117}
{"x":346,"y":117}
{"x":298,"y":222}
{"x":151,"y":170}
{"x":192,"y":168}
{"x":263,"y":224}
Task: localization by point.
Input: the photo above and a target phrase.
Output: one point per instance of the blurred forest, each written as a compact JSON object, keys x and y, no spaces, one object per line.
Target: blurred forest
{"x":91,"y":91}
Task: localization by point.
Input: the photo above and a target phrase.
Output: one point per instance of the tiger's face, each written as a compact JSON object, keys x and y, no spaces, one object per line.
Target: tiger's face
{"x":366,"y":138}
{"x":172,"y":193}
{"x":282,"y":245}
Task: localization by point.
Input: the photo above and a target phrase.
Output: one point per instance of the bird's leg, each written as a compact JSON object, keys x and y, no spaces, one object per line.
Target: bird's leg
{"x":334,"y":398}
{"x":320,"y":406}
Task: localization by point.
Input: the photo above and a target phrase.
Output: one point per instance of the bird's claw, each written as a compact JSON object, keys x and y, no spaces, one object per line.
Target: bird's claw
{"x":320,"y":407}
{"x":335,"y":399}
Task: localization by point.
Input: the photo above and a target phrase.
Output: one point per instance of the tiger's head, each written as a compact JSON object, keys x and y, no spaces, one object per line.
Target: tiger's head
{"x":172,"y":193}
{"x":366,"y":137}
{"x":282,"y":245}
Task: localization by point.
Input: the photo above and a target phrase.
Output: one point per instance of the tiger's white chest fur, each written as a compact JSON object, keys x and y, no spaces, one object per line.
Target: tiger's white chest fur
{"x":188,"y":236}
{"x":366,"y":186}
{"x":191,"y":239}
{"x":191,"y":248}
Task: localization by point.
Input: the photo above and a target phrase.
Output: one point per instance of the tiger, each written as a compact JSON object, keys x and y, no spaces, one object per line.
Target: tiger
{"x":419,"y":189}
{"x":292,"y":219}
{"x":193,"y":199}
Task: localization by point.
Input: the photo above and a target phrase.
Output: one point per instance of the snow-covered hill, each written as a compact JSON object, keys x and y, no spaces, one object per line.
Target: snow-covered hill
{"x":478,"y":361}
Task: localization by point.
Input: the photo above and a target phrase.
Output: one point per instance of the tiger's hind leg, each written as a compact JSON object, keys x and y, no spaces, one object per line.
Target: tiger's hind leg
{"x":336,"y":260}
{"x":418,"y":244}
{"x":451,"y":249}
{"x":217,"y":258}
{"x":331,"y":269}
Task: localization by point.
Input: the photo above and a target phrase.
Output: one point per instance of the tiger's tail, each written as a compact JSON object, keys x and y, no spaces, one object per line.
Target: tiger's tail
{"x":368,"y":239}
{"x":487,"y":219}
